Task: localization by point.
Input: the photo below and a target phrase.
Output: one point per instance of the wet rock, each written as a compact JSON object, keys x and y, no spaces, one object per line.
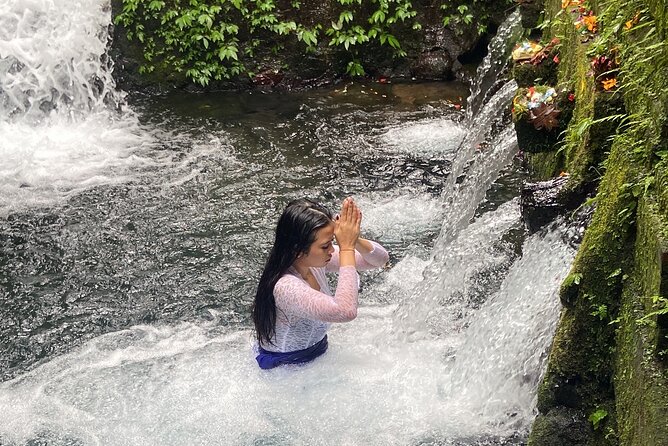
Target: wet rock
{"x":530,"y":11}
{"x":268,"y":78}
{"x":432,"y":65}
{"x":541,"y":202}
{"x":561,"y":426}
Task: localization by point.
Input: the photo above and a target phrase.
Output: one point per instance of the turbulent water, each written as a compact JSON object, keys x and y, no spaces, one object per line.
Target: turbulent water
{"x":63,"y":124}
{"x":132,"y":237}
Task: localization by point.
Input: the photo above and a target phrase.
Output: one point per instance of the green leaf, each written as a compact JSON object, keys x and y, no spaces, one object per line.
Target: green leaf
{"x":377,"y":17}
{"x":597,"y":416}
{"x":228,"y":52}
{"x":346,"y":16}
{"x":156,"y":5}
{"x":206,"y":20}
{"x":308,"y":37}
{"x":394,"y":43}
{"x":355,"y":68}
{"x":615,"y":273}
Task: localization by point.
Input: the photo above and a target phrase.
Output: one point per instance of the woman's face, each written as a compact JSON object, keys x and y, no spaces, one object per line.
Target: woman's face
{"x":321,"y":250}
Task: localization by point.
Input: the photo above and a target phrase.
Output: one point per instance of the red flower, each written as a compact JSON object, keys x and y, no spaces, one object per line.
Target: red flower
{"x":571,"y":97}
{"x":555,"y":59}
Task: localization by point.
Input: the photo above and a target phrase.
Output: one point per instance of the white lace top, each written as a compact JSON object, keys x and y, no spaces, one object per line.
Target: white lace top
{"x":303,"y":314}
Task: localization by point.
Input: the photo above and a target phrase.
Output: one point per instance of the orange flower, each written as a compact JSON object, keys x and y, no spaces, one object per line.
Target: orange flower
{"x":566,"y":3}
{"x":609,"y":83}
{"x":590,"y":22}
{"x":636,"y":18}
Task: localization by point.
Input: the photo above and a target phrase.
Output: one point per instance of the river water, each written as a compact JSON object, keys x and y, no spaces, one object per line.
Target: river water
{"x":133,"y":230}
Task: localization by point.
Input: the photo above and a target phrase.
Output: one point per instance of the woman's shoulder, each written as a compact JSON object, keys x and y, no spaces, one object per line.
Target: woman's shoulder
{"x":288,"y":278}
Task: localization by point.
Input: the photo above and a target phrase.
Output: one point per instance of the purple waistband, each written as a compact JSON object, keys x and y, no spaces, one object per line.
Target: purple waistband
{"x":269,"y":360}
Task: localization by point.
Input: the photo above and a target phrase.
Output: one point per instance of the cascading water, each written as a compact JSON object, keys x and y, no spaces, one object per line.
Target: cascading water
{"x":474,"y":169}
{"x":490,"y":69}
{"x":479,"y":307}
{"x":63,"y":124}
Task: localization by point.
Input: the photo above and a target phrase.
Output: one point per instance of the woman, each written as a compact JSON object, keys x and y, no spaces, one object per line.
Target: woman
{"x":293,"y":304}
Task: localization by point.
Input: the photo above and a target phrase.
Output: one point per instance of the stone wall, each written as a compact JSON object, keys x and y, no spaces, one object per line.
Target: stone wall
{"x":607,"y":377}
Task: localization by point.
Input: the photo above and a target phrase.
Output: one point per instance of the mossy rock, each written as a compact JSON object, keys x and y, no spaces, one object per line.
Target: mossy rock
{"x":544,"y":165}
{"x":641,"y":377}
{"x":606,"y":105}
{"x":530,"y":12}
{"x":529,"y":138}
{"x":533,"y":141}
{"x":561,"y":427}
{"x":527,"y":74}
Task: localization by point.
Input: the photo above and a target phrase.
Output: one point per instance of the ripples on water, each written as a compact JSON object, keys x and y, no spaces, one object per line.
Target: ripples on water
{"x":179,"y":248}
{"x":132,"y":238}
{"x":189,"y":234}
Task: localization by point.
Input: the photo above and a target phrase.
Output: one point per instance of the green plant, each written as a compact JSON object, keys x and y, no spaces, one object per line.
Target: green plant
{"x":208,"y":40}
{"x":597,"y":416}
{"x":660,"y":307}
{"x":354,"y":28}
{"x":460,"y":14}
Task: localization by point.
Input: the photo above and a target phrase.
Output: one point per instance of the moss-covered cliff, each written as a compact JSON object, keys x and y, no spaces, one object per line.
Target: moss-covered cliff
{"x":607,"y":377}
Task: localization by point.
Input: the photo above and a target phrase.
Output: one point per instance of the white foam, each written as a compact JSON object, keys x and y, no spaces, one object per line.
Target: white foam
{"x":64,"y":128}
{"x":394,"y":216}
{"x":193,"y":384}
{"x":47,"y":164}
{"x":438,"y":136}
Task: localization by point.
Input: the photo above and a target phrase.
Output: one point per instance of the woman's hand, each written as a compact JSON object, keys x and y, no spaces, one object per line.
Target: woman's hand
{"x":347,"y":225}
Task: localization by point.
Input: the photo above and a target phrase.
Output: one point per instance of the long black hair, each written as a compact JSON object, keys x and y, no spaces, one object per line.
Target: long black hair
{"x":295,"y":232}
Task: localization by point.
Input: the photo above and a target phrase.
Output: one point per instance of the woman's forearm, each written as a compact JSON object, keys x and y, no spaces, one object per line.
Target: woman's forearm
{"x":364,"y":246}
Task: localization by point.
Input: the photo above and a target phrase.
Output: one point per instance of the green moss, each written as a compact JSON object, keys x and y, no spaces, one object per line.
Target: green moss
{"x":561,"y":426}
{"x":641,"y":381}
{"x":570,"y":288}
{"x":543,"y":166}
{"x":526,"y":74}
{"x":602,"y":360}
{"x":577,"y":156}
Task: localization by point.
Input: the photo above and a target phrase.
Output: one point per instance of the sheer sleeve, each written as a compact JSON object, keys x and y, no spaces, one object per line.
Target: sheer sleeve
{"x":377,"y":258}
{"x":296,"y":297}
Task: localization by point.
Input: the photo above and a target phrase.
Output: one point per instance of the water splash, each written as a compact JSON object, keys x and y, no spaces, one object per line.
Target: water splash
{"x":441,"y":136}
{"x":446,"y":293}
{"x":500,"y":364}
{"x":489,"y":71}
{"x":53,"y":59}
{"x":474,"y":169}
{"x":65,"y":127}
{"x":198,"y":384}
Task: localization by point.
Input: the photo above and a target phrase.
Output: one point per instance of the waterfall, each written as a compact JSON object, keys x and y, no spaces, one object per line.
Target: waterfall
{"x":490,"y":69}
{"x":64,"y":124}
{"x":476,"y":166}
